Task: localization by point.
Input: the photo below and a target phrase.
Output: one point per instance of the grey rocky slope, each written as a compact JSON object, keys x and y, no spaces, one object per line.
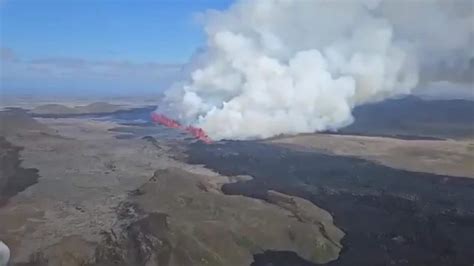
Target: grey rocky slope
{"x":105,"y":201}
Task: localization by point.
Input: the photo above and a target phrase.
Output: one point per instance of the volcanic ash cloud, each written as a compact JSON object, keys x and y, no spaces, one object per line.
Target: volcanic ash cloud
{"x":285,"y":67}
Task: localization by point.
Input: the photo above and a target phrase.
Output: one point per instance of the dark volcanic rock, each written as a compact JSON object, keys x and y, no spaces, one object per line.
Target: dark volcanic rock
{"x":390,"y":216}
{"x":279,"y":258}
{"x":414,"y":118}
{"x":13,"y":177}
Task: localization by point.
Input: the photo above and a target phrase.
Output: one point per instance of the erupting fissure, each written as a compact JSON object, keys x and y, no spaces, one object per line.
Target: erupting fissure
{"x":293,"y":66}
{"x":197,"y":132}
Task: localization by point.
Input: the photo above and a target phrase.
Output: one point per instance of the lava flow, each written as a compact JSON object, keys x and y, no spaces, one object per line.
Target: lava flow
{"x":197,"y":132}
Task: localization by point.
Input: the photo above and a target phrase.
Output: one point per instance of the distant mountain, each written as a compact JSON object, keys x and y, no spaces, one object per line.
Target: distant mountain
{"x":412,"y":116}
{"x":14,"y":121}
{"x":93,"y":108}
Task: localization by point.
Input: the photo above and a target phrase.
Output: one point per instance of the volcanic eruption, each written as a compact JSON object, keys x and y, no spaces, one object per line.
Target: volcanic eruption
{"x":196,"y":132}
{"x":287,"y":67}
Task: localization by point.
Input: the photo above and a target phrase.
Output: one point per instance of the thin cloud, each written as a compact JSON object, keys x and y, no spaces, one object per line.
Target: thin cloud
{"x":60,"y":62}
{"x":66,"y":63}
{"x":8,"y":55}
{"x":81,"y":72}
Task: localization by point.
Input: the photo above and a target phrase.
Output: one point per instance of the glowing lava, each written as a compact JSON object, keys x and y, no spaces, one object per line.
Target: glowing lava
{"x":197,"y":132}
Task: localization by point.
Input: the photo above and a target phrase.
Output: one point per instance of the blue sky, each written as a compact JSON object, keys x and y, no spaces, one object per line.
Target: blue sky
{"x":102,"y":45}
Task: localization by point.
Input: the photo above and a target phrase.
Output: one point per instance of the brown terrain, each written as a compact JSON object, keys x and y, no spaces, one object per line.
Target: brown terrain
{"x":92,"y":199}
{"x":72,"y":192}
{"x":448,"y":157}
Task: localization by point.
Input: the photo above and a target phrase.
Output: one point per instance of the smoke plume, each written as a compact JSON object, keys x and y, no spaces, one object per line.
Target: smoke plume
{"x":284,"y":67}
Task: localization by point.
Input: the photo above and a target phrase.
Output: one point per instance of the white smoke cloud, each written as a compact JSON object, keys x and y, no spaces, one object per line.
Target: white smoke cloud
{"x":283,"y":67}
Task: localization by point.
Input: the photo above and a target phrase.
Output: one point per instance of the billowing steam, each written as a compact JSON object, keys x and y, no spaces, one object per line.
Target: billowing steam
{"x":279,"y":66}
